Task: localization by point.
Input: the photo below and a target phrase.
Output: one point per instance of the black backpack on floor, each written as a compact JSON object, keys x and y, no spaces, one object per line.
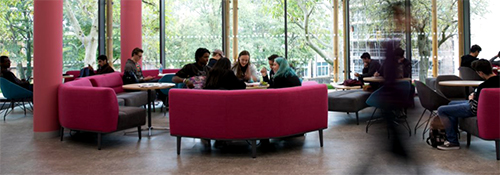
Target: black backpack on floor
{"x":437,"y":133}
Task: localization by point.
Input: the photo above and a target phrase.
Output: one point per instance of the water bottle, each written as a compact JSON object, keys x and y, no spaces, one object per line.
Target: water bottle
{"x":160,"y":70}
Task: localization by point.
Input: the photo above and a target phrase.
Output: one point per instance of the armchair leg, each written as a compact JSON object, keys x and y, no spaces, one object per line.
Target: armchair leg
{"x":178,"y":145}
{"x":418,"y":122}
{"x":357,"y":118}
{"x":254,"y":148}
{"x":99,"y":140}
{"x":370,"y":121}
{"x":139,"y":132}
{"x":468,"y":139}
{"x":321,"y":137}
{"x":62,"y":133}
{"x":497,"y":148}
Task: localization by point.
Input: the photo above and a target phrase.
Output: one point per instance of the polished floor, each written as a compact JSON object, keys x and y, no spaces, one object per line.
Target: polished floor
{"x":347,"y":150}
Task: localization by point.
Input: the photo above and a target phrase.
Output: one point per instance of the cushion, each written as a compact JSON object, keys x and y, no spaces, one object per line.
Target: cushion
{"x":136,"y":98}
{"x":111,"y":80}
{"x":129,"y":117}
{"x":469,"y":124}
{"x":347,"y":101}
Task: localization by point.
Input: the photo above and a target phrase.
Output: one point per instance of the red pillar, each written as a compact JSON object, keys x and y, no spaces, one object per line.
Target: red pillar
{"x":131,"y":28}
{"x":48,"y":16}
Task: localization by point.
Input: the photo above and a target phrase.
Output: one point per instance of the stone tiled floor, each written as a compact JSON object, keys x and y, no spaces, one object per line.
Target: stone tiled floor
{"x":348,"y":150}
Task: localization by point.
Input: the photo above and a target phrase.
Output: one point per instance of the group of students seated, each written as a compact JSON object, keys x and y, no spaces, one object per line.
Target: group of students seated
{"x":373,"y":68}
{"x":221,"y":74}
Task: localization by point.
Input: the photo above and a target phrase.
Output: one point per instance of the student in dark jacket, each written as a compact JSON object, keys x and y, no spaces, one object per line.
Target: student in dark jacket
{"x":7,"y":74}
{"x":371,"y":68}
{"x":222,"y":77}
{"x":472,"y":56}
{"x":103,"y":65}
{"x":285,"y":76}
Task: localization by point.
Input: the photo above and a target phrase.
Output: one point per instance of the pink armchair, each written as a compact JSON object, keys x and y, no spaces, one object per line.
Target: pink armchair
{"x":83,"y":107}
{"x":487,"y":123}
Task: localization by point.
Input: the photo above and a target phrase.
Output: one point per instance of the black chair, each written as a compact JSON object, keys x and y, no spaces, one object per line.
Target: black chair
{"x":450,"y":92}
{"x":431,"y":101}
{"x":468,"y":74}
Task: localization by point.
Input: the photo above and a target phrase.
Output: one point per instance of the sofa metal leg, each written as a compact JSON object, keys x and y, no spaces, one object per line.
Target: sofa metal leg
{"x":321,"y":137}
{"x":347,"y":113}
{"x":254,"y":148}
{"x":99,"y":140}
{"x":62,"y":133}
{"x":468,"y":139}
{"x":357,"y":118}
{"x":139,"y":132}
{"x":497,"y":148}
{"x":179,"y":145}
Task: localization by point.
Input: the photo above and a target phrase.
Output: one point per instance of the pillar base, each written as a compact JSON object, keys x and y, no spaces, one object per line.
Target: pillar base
{"x":45,"y":135}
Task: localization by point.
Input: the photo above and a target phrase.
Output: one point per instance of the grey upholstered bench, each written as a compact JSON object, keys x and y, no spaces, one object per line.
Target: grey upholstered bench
{"x":348,"y":101}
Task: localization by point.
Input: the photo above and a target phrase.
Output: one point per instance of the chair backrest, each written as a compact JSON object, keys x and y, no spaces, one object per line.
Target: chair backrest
{"x":391,"y":97}
{"x":468,"y":73}
{"x":429,"y":98}
{"x":11,"y":90}
{"x":166,"y":79}
{"x":488,"y":112}
{"x":450,"y":91}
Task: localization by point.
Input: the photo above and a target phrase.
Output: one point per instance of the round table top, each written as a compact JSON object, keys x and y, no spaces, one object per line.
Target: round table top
{"x":461,"y":83}
{"x":381,"y":79}
{"x":148,"y":86}
{"x":68,"y":76}
{"x":161,"y":75}
{"x":258,"y":87}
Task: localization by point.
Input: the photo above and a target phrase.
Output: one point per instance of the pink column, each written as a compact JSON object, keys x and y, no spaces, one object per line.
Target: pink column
{"x":131,"y":28}
{"x":48,"y":16}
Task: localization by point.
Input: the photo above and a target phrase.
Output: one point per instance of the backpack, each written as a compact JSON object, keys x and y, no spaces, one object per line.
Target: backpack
{"x":437,"y":133}
{"x":352,"y":82}
{"x":129,"y":78}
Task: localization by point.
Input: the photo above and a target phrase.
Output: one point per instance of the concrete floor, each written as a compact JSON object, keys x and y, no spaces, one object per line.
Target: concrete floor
{"x":347,"y":150}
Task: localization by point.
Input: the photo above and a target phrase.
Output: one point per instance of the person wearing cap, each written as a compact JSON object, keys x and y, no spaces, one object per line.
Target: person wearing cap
{"x":216,"y":55}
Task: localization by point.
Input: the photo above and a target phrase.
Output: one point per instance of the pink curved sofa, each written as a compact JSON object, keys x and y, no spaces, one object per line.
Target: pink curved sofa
{"x":248,"y":114}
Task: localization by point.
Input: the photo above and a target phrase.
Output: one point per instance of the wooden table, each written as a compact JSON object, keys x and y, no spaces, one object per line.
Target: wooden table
{"x":343,"y":87}
{"x":462,"y":83}
{"x":148,"y":87}
{"x":256,"y":86}
{"x":381,"y":79}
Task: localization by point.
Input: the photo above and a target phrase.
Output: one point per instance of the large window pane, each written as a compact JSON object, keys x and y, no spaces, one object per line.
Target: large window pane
{"x":191,"y":24}
{"x":80,"y":34}
{"x":310,"y":38}
{"x":16,"y":35}
{"x":371,"y":28}
{"x":151,"y":35}
{"x":484,"y":30}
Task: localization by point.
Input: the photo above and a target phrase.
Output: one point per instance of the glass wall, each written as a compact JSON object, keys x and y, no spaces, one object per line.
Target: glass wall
{"x":371,"y":28}
{"x":310,"y":38}
{"x":151,"y":35}
{"x":260,"y":32}
{"x":484,"y":29}
{"x":191,"y":24}
{"x":80,"y":34}
{"x":16,"y":35}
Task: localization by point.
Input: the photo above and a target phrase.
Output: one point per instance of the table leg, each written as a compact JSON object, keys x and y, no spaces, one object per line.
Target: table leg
{"x":149,"y":112}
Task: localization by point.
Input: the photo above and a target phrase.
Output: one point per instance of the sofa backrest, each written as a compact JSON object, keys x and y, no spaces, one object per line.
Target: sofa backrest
{"x":111,"y":80}
{"x":248,"y":114}
{"x":488,"y":113}
{"x":154,"y":72}
{"x":80,"y":82}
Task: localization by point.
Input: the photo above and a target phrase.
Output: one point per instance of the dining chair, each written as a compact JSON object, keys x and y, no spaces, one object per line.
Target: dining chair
{"x":14,"y":93}
{"x":431,"y":101}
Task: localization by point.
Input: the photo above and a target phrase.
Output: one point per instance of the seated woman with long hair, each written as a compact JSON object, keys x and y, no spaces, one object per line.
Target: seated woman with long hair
{"x":284,"y":75}
{"x":222,"y":77}
{"x":244,"y":69}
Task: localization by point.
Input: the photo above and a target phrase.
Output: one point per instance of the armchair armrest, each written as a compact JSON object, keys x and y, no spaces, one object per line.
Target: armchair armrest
{"x":88,"y":108}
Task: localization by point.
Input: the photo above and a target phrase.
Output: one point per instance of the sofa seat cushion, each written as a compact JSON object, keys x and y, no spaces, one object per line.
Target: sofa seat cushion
{"x":347,"y":101}
{"x":121,"y":102}
{"x":111,"y":80}
{"x":469,"y":124}
{"x":136,"y":98}
{"x":129,"y":117}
